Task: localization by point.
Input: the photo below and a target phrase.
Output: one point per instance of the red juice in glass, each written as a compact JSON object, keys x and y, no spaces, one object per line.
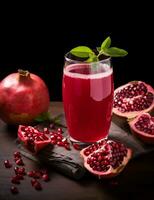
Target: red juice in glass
{"x":88,"y":97}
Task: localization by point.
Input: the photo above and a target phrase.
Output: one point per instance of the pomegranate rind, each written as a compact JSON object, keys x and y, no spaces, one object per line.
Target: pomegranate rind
{"x":23,"y":98}
{"x":38,"y":145}
{"x":145,"y":137}
{"x":110,"y":172}
{"x":133,"y":114}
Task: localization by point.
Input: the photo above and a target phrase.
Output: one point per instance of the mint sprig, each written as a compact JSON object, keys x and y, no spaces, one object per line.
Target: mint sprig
{"x":47,"y":117}
{"x":104,"y":49}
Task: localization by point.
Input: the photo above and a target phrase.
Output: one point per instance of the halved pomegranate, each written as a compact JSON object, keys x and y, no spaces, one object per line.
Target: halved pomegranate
{"x":33,"y":139}
{"x":106,"y":158}
{"x":132,"y":99}
{"x":143,"y":127}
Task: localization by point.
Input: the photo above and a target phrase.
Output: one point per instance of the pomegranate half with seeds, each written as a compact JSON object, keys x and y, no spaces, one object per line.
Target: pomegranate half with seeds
{"x":33,"y":139}
{"x":143,"y":127}
{"x":132,"y":99}
{"x":106,"y":159}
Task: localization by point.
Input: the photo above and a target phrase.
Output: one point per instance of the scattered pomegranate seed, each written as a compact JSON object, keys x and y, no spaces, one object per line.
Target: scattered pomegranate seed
{"x":16,"y":170}
{"x":67,"y":146}
{"x":21,"y":171}
{"x":37,"y":185}
{"x":45,"y":177}
{"x":37,"y":174}
{"x":14,"y":190}
{"x":76,"y":146}
{"x":7,"y":164}
{"x":33,"y":181}
{"x":19,"y":162}
{"x":30,"y":173}
{"x":59,"y":143}
{"x":17,"y":154}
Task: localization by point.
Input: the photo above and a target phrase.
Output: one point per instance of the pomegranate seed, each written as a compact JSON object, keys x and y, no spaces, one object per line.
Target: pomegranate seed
{"x":45,"y":177}
{"x":21,"y":171}
{"x":59,"y":137}
{"x":19,"y":162}
{"x":67,"y":146}
{"x":7,"y":164}
{"x":46,"y":130}
{"x":30,"y":173}
{"x":17,"y":154}
{"x":37,"y":174}
{"x":14,"y":190}
{"x":33,"y":181}
{"x":16,"y":158}
{"x":35,"y":131}
{"x":99,"y":158}
{"x":86,"y":153}
{"x":60,"y":143}
{"x":76,"y":146}
{"x":60,"y":130}
{"x":52,"y":137}
{"x":37,"y":186}
{"x":16,"y":170}
{"x":53,"y":142}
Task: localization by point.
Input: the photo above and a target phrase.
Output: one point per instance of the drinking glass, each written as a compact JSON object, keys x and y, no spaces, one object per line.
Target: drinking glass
{"x":87,"y":92}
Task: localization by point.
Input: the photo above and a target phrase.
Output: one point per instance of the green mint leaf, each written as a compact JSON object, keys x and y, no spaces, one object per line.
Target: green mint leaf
{"x":43,"y":117}
{"x":92,"y":58}
{"x":106,"y":43}
{"x":114,"y":52}
{"x":82,"y":51}
{"x":98,"y":49}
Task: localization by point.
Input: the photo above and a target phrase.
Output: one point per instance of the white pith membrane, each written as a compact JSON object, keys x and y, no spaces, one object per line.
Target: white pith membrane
{"x":133,"y":98}
{"x":143,"y":124}
{"x":119,"y":160}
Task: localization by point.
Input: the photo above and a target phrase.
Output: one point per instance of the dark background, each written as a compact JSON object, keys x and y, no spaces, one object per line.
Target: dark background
{"x":36,"y":37}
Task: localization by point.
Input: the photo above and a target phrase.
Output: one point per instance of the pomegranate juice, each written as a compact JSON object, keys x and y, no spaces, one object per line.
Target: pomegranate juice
{"x":87,"y":98}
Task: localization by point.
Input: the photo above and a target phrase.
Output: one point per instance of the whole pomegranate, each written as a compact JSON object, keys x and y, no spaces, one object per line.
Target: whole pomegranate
{"x":132,"y":99}
{"x":23,"y":96}
{"x":142,"y":126}
{"x":106,"y":158}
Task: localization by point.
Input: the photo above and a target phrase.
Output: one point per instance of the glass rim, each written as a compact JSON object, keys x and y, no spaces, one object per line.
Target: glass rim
{"x":77,"y":61}
{"x":95,"y":75}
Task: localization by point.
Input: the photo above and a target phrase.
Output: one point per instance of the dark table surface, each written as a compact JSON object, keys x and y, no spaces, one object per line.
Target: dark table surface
{"x":136,"y":181}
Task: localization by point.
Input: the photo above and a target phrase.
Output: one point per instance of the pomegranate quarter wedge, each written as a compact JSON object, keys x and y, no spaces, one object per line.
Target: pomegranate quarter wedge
{"x":143,"y":127}
{"x":106,"y":159}
{"x":33,"y":139}
{"x":132,"y":99}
